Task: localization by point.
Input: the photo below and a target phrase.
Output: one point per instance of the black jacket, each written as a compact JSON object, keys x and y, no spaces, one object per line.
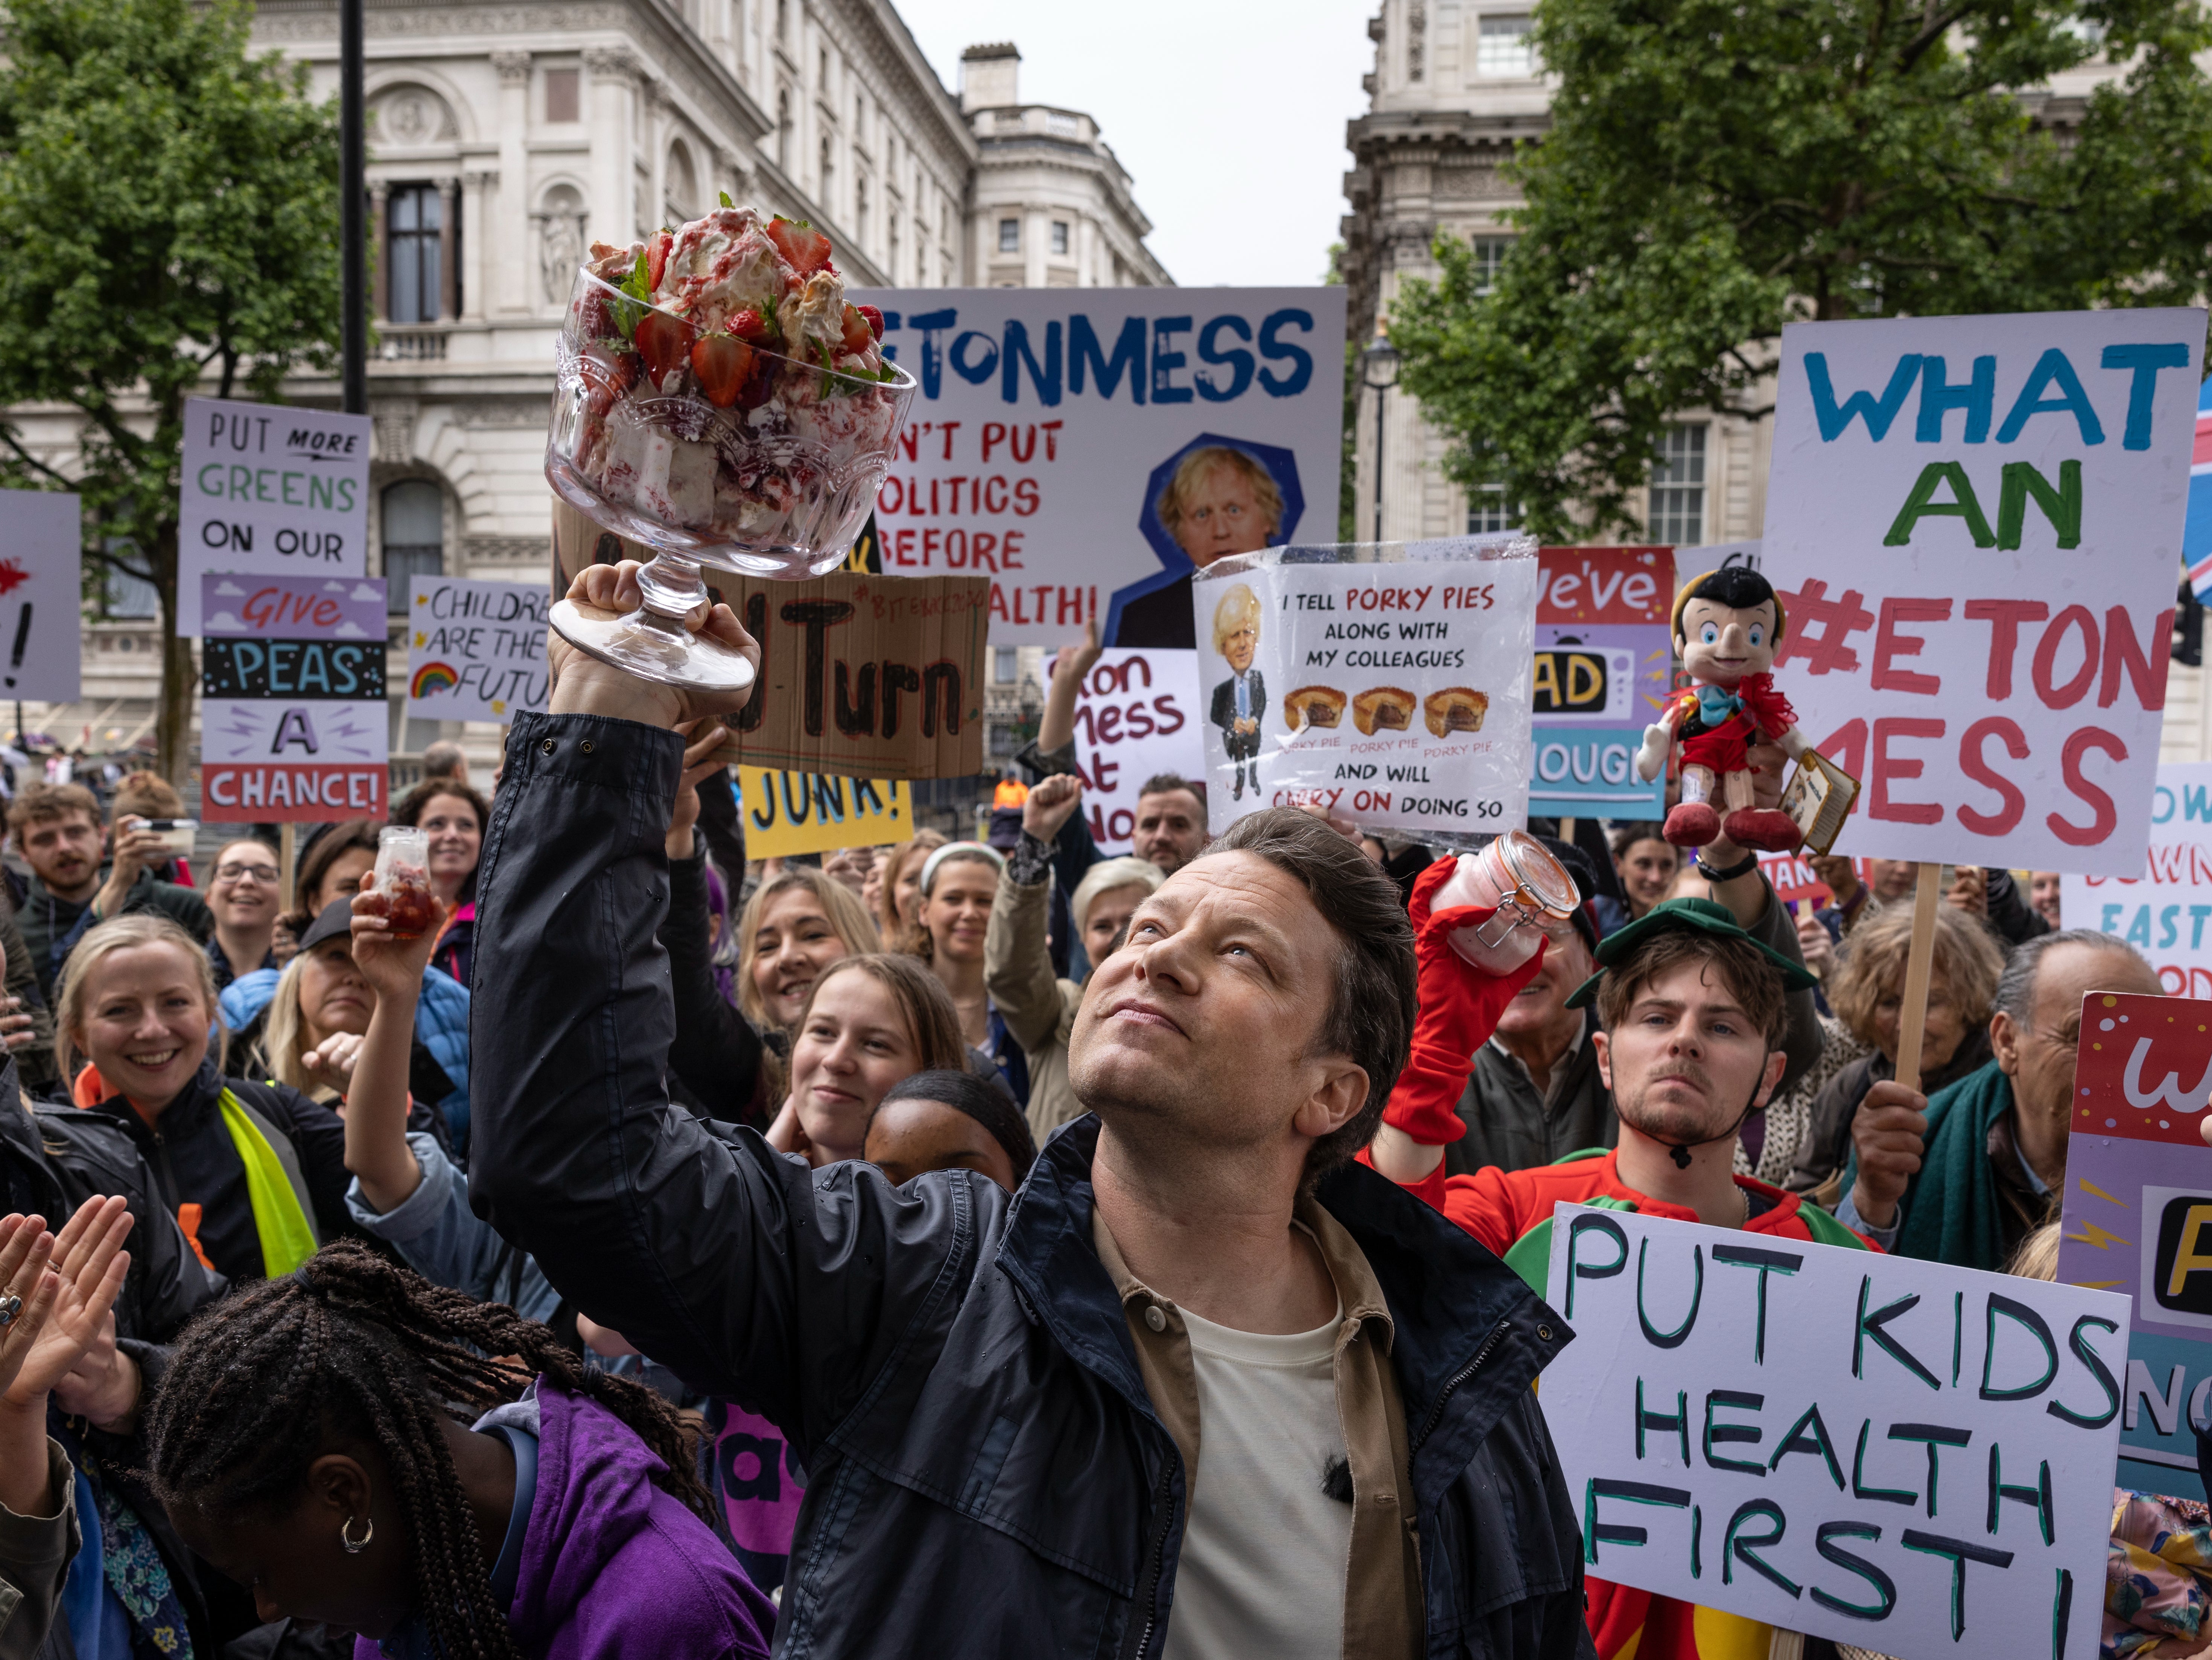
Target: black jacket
{"x":194,"y":1162}
{"x":55,"y":1158}
{"x":985,"y":1473}
{"x":715,"y":1061}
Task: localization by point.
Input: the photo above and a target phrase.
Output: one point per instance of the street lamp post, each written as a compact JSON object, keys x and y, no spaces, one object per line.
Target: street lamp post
{"x":353,"y":336}
{"x":1378,"y":367}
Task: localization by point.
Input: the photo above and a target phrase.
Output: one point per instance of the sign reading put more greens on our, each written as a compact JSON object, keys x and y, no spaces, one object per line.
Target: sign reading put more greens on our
{"x":270,"y":490}
{"x":1902,"y":1456}
{"x":1974,"y":524}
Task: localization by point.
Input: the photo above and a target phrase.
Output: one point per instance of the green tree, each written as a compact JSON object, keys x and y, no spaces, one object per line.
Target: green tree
{"x":1716,"y":169}
{"x":168,"y":215}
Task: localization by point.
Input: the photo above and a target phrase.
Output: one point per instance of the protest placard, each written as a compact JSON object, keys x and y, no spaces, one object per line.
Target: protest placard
{"x":1604,"y":666}
{"x":1903,"y":1455}
{"x":294,"y":724}
{"x":1393,"y":691}
{"x":2165,"y":913}
{"x":1136,"y":717}
{"x":1974,"y":524}
{"x":1087,"y":448}
{"x":41,"y":595}
{"x":788,"y":812}
{"x":2138,"y":1202}
{"x":861,"y":676}
{"x":476,"y":650}
{"x":268,"y":491}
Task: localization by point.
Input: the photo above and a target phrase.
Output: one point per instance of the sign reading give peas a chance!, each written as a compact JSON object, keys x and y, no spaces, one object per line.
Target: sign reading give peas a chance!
{"x":1903,"y":1455}
{"x":1974,"y":526}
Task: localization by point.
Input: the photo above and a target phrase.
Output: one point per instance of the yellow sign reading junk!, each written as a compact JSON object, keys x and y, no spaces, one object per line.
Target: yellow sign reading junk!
{"x":788,"y":812}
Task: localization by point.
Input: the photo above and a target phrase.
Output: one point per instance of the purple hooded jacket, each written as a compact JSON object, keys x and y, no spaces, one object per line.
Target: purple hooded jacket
{"x":612,"y":1565}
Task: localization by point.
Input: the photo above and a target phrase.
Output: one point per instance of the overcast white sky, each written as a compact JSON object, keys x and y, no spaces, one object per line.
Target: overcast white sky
{"x":1229,"y":115}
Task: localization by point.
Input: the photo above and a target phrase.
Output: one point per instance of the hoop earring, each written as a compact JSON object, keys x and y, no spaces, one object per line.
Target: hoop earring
{"x":354,"y":1547}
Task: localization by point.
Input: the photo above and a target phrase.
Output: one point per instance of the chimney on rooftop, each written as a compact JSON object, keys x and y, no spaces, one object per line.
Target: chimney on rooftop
{"x":989,"y":76}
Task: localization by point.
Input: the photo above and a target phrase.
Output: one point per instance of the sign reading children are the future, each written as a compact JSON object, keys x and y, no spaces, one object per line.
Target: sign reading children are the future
{"x":1905,"y":1457}
{"x":294,"y":724}
{"x":1974,"y":524}
{"x":268,"y":491}
{"x":1393,"y":692}
{"x":476,"y":650}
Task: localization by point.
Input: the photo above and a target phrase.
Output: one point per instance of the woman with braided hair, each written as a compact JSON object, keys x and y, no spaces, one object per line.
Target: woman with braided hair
{"x":336,"y":1441}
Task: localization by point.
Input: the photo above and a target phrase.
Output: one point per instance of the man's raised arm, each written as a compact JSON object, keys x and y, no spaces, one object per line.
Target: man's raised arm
{"x":739,"y":1268}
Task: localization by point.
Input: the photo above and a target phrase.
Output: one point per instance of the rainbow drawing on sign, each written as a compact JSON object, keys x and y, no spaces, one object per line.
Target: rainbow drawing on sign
{"x":431,"y":679}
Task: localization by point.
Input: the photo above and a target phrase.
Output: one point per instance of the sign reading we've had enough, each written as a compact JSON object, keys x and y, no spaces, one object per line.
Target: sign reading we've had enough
{"x":1898,"y":1454}
{"x":1974,"y":524}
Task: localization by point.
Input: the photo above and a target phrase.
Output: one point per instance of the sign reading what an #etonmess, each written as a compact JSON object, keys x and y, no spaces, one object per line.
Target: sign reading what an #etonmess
{"x":268,"y":491}
{"x":1392,"y":692}
{"x":1905,"y":1457}
{"x":1975,"y":525}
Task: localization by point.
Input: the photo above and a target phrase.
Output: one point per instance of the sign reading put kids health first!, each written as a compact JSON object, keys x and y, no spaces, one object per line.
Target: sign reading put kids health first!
{"x":1088,"y":449}
{"x":268,"y":491}
{"x":1975,"y":524}
{"x":2138,"y":1218}
{"x":293,"y":724}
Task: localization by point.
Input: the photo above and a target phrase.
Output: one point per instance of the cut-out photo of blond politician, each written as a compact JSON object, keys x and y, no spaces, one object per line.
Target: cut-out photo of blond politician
{"x":1214,"y":497}
{"x":1239,"y":700}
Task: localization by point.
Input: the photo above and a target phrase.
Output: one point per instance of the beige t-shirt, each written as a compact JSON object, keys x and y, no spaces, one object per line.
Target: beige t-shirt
{"x":1265,"y":1550}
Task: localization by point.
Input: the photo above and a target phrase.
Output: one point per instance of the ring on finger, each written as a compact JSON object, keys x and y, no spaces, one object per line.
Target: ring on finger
{"x":10,"y":1306}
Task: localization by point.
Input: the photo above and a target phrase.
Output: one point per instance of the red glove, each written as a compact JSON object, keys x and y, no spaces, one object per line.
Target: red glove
{"x":1460,"y":1006}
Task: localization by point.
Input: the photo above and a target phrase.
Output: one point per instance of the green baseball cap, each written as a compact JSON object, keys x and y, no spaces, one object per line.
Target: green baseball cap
{"x":1709,"y":916}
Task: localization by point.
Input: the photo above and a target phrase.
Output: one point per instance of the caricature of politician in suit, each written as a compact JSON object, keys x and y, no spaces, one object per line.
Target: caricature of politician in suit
{"x":1238,"y":700}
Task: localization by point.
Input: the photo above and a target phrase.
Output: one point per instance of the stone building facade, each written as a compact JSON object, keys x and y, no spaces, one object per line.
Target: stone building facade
{"x":505,"y":137}
{"x":1455,"y":85}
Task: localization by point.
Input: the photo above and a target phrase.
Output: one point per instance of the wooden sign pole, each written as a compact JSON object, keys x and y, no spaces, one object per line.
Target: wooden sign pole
{"x":1912,"y":1015}
{"x":288,"y":841}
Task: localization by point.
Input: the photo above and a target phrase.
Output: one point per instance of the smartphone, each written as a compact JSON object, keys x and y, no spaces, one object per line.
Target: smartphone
{"x":176,"y":834}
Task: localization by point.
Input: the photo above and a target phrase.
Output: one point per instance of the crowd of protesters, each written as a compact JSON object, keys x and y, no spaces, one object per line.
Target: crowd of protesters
{"x":631,"y":1262}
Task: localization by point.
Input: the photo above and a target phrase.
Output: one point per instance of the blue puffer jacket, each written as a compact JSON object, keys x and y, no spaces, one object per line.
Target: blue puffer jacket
{"x":441,"y":1025}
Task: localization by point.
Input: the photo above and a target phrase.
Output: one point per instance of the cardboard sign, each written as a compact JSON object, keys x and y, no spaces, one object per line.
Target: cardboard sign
{"x":1135,"y":718}
{"x":1901,"y":1455}
{"x":2138,"y":1201}
{"x":1603,"y":666}
{"x":1087,"y":448}
{"x":1974,"y":524}
{"x":294,"y":724}
{"x":788,"y":812}
{"x":2165,"y":913}
{"x":861,"y":676}
{"x":476,"y":650}
{"x":41,"y":595}
{"x":1394,"y":693}
{"x":270,"y":490}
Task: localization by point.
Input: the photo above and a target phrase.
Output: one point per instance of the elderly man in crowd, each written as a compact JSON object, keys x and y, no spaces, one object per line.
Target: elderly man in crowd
{"x":1964,"y":1178}
{"x":1005,"y":1404}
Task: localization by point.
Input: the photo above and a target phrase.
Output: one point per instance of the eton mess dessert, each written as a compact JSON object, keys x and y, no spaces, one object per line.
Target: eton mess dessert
{"x":714,"y":382}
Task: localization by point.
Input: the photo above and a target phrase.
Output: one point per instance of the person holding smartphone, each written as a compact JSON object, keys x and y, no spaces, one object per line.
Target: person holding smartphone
{"x":56,"y":829}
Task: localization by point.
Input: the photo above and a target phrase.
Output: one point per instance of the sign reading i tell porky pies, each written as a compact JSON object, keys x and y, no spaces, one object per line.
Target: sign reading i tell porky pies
{"x":2138,"y":1218}
{"x":269,"y":491}
{"x":861,"y":676}
{"x":1393,"y":692}
{"x":1974,"y":524}
{"x":1903,"y":1455}
{"x":293,"y":724}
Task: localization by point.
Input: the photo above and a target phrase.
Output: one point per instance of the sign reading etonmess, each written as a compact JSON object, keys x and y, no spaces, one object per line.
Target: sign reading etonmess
{"x":1974,"y":524}
{"x":270,"y":490}
{"x":1902,"y":1456}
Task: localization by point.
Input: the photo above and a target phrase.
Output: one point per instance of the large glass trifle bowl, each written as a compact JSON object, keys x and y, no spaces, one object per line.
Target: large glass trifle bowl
{"x":746,"y":438}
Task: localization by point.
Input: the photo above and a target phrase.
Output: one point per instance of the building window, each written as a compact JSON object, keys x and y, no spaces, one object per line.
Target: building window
{"x":561,"y":102}
{"x":1010,"y":236}
{"x":783,"y":127}
{"x":130,"y":599}
{"x":1490,"y":253}
{"x":414,"y":532}
{"x":891,"y":232}
{"x":413,"y":217}
{"x":1002,"y":666}
{"x":1060,"y":237}
{"x":827,"y":170}
{"x":1503,"y":48}
{"x":1678,"y":489}
{"x":822,"y":70}
{"x":860,"y":207}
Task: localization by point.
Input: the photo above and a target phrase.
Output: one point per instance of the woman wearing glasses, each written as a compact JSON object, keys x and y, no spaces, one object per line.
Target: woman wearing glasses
{"x":245,"y":899}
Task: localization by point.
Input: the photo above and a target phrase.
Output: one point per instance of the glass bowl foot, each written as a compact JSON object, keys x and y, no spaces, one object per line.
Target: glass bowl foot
{"x":652,"y":647}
